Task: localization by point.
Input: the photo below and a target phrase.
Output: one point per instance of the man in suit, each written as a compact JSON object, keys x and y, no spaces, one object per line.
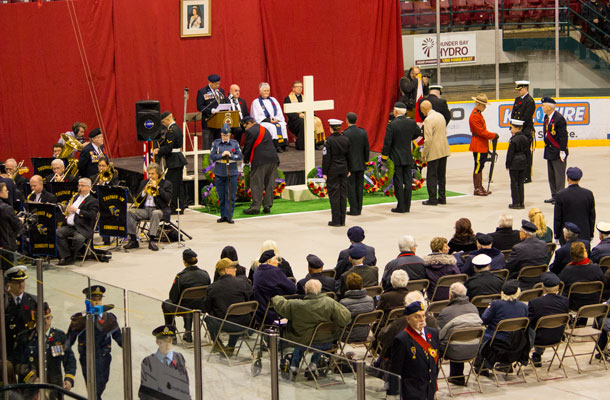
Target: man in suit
{"x":531,"y":251}
{"x":336,"y":168}
{"x":238,"y":104}
{"x":438,"y":104}
{"x":208,"y":98}
{"x":555,"y":146}
{"x":359,"y":146}
{"x":523,"y":110}
{"x":81,"y":217}
{"x":436,"y":151}
{"x":170,"y":148}
{"x":296,"y":121}
{"x":91,"y":154}
{"x":260,"y":153}
{"x":152,"y":207}
{"x":314,"y":266}
{"x":399,"y":134}
{"x":414,"y":356}
{"x":39,"y":194}
{"x":562,"y":255}
{"x":551,"y":302}
{"x":355,"y":234}
{"x":574,"y":204}
{"x":17,"y":308}
{"x":603,"y":247}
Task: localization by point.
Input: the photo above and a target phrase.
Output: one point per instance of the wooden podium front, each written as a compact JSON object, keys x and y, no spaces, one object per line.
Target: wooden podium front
{"x":217,"y":120}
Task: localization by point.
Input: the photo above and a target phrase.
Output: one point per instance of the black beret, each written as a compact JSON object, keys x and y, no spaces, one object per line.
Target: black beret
{"x":572,"y":227}
{"x":357,"y":250}
{"x":414,"y":307}
{"x":510,"y":287}
{"x":96,"y":290}
{"x":549,"y":279}
{"x":165,"y":114}
{"x":95,"y":132}
{"x":164,"y":331}
{"x":267,"y":254}
{"x":355,"y":234}
{"x":528,"y":226}
{"x":484,"y":239}
{"x":214,"y":78}
{"x":547,"y":100}
{"x":188,"y":254}
{"x":400,"y":104}
{"x":314,"y":261}
{"x":574,"y":173}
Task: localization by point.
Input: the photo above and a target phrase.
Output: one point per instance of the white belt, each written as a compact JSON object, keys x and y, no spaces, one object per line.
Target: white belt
{"x":177,"y":150}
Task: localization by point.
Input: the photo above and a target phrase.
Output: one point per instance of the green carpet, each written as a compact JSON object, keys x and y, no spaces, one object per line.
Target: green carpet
{"x":282,"y":206}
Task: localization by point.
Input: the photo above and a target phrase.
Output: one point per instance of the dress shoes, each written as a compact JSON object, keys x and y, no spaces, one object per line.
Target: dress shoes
{"x":66,"y":261}
{"x":266,"y":210}
{"x":429,"y":203}
{"x":331,"y":223}
{"x":352,"y":213}
{"x":527,"y":180}
{"x":132,"y":244}
{"x":514,"y":206}
{"x":152,"y":245}
{"x":279,"y":150}
{"x":442,"y":201}
{"x":536,"y":360}
{"x":551,"y":201}
{"x":187,"y":337}
{"x":222,"y":219}
{"x":398,"y":210}
{"x":457,"y":381}
{"x":229,"y":221}
{"x":251,"y":211}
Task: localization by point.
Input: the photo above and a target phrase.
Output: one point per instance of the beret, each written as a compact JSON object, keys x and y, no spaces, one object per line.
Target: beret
{"x":213,"y":78}
{"x":484,"y":239}
{"x":314,"y":261}
{"x":572,"y":227}
{"x":188,"y":254}
{"x":95,"y":132}
{"x":547,"y":100}
{"x":401,"y":105}
{"x":355,"y":234}
{"x":414,"y":307}
{"x":510,"y":287}
{"x":528,"y":226}
{"x":549,"y":279}
{"x":357,"y":250}
{"x":267,"y":254}
{"x":574,"y":173}
{"x":165,"y":114}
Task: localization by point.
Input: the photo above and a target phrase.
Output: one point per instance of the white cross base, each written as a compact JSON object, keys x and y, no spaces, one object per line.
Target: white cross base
{"x":308,"y":107}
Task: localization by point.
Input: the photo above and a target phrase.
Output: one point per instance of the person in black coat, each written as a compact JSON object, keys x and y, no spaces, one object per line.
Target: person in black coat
{"x":10,"y":225}
{"x":355,"y":234}
{"x":399,"y":134}
{"x":151,"y":207}
{"x":603,"y":247}
{"x":517,"y":163}
{"x":483,"y":281}
{"x":81,"y":217}
{"x":230,"y":253}
{"x":562,"y":255}
{"x":505,"y":237}
{"x":438,"y":104}
{"x":574,"y":204}
{"x":555,"y":146}
{"x":208,"y":98}
{"x":580,"y":269}
{"x":238,"y":104}
{"x":484,"y":246}
{"x":406,"y":260}
{"x":90,"y":155}
{"x":336,"y":167}
{"x":531,"y":251}
{"x":18,"y":308}
{"x":359,"y":146}
{"x":314,"y":266}
{"x":523,"y":110}
{"x":39,"y":193}
{"x":408,"y":88}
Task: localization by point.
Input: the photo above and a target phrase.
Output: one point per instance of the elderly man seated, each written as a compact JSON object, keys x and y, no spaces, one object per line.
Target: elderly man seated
{"x":406,"y":260}
{"x":484,"y":246}
{"x":562,"y":255}
{"x":394,"y":296}
{"x":531,"y":251}
{"x":303,"y":317}
{"x":505,"y":237}
{"x":59,"y":172}
{"x":269,"y":281}
{"x":458,"y":314}
{"x":266,"y":110}
{"x":315,"y":265}
{"x":603,"y":247}
{"x":483,"y":281}
{"x":368,"y":273}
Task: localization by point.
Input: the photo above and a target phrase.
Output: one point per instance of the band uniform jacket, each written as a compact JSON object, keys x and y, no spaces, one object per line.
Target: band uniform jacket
{"x":10,"y":228}
{"x":159,"y":381}
{"x":479,"y":143}
{"x":206,"y":101}
{"x":189,"y":277}
{"x":539,"y":307}
{"x":87,"y":162}
{"x":417,"y":369}
{"x":397,"y":142}
{"x":438,"y":104}
{"x":516,"y":158}
{"x":556,"y":129}
{"x":16,"y":316}
{"x":576,"y":205}
{"x":264,"y":153}
{"x":45,"y":197}
{"x":84,"y":220}
{"x":359,"y":147}
{"x":337,"y":156}
{"x":523,"y":110}
{"x":58,"y":354}
{"x":162,"y":199}
{"x":171,"y":142}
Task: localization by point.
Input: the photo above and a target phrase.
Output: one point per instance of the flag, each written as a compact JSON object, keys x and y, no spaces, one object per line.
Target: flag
{"x":147,"y":156}
{"x":418,"y":98}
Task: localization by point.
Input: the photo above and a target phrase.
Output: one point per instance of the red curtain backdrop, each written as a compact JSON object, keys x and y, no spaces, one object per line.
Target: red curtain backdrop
{"x":134,"y":49}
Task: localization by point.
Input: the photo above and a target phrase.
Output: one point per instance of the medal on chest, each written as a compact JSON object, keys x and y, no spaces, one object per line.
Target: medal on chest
{"x":413,"y":351}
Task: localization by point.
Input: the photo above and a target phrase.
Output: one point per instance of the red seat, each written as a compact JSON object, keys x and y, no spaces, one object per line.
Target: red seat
{"x":490,"y":4}
{"x":407,"y":15}
{"x":511,"y":14}
{"x":536,"y":14}
{"x":481,"y":14}
{"x":461,"y":15}
{"x":445,"y":12}
{"x":549,"y":13}
{"x":426,"y":15}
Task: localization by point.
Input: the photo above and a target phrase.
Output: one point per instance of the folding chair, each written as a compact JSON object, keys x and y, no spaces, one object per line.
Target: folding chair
{"x":436,"y":307}
{"x":540,"y":285}
{"x":590,"y":311}
{"x":604,"y":262}
{"x":502,"y":273}
{"x":482,"y":301}
{"x":192,"y":293}
{"x":550,"y":249}
{"x":371,"y":320}
{"x":587,"y":288}
{"x":506,"y":253}
{"x":237,"y":310}
{"x":293,"y":279}
{"x":162,"y":232}
{"x":332,"y":295}
{"x":329,"y":272}
{"x":390,"y":317}
{"x":532,"y":271}
{"x":419,"y":285}
{"x":89,"y":250}
{"x":448,"y":280}
{"x":464,"y":256}
{"x":374,"y":291}
{"x":462,"y":336}
{"x":529,"y":294}
{"x":554,"y":321}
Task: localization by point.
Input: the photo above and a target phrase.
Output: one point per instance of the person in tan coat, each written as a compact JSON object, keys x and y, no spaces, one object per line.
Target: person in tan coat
{"x":436,"y":152}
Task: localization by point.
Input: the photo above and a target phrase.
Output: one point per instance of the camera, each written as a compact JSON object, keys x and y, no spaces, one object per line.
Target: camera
{"x":30,"y":220}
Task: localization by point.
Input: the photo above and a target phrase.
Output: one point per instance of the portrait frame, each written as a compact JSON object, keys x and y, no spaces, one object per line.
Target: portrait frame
{"x":195,"y":18}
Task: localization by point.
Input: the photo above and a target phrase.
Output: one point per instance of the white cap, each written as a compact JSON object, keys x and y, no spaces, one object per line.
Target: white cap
{"x":334,"y":122}
{"x":603,"y":227}
{"x":516,"y":122}
{"x":435,"y":87}
{"x":522,"y":83}
{"x":482,"y":260}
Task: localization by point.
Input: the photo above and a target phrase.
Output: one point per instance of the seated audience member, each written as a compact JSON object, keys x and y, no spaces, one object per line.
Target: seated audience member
{"x":266,"y":110}
{"x":283,"y":264}
{"x":39,"y":194}
{"x":484,"y":246}
{"x":315,"y":265}
{"x":544,"y":232}
{"x":463,"y":239}
{"x":603,"y":247}
{"x":59,"y":173}
{"x":505,"y":237}
{"x":580,"y":269}
{"x":220,"y":295}
{"x":368,"y":273}
{"x":357,"y":302}
{"x":355,"y":235}
{"x":531,"y":251}
{"x":551,"y":302}
{"x":230,"y":253}
{"x":153,"y":207}
{"x":394,"y":296}
{"x":269,"y":281}
{"x":562,"y":254}
{"x":304,"y":315}
{"x":458,"y":314}
{"x":406,"y":260}
{"x":439,"y":263}
{"x":57,"y":149}
{"x":191,"y":276}
{"x":80,"y":223}
{"x":483,"y":281}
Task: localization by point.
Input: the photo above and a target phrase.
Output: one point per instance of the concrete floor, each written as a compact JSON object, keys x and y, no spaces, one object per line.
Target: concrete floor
{"x":150,"y":274}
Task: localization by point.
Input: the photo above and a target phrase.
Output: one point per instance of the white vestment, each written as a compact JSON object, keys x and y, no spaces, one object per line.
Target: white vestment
{"x":258,"y":113}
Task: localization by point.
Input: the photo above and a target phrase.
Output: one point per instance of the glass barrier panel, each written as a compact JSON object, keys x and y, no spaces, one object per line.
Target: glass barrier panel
{"x":377,"y":382}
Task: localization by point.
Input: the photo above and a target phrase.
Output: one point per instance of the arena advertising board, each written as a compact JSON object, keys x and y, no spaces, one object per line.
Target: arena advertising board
{"x":456,"y":48}
{"x":587,"y":119}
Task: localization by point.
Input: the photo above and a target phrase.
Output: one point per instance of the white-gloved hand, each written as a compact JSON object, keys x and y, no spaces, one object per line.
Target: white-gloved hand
{"x":562,"y":156}
{"x":214,"y":111}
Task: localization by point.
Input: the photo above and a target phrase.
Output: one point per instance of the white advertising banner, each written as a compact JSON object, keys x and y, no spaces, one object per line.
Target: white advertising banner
{"x":587,"y":119}
{"x":456,"y":48}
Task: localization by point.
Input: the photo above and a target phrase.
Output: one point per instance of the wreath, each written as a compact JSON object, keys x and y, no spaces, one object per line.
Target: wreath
{"x":417,"y":150}
{"x":209,"y":196}
{"x":378,"y":175}
{"x":244,"y":193}
{"x":316,"y":183}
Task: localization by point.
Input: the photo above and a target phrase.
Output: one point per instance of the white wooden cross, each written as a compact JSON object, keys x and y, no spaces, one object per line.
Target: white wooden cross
{"x":308,"y":107}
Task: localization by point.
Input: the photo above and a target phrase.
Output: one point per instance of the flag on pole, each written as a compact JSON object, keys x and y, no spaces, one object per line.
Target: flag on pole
{"x":418,"y":98}
{"x":146,"y":157}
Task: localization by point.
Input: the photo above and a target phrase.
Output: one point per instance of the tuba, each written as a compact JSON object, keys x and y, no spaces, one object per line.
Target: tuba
{"x":70,"y":146}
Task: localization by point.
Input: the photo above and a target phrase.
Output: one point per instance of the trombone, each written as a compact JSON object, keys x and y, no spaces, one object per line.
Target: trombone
{"x":106,"y":176}
{"x":151,"y":189}
{"x":19,"y":170}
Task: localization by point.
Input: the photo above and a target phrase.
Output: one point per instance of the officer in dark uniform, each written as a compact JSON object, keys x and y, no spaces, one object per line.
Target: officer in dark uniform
{"x":19,"y":307}
{"x":190,"y":276}
{"x":574,"y":204}
{"x":90,"y":155}
{"x":336,"y":165}
{"x":163,"y":374}
{"x":106,"y":329}
{"x":523,"y":110}
{"x":438,"y":104}
{"x":399,"y":134}
{"x":225,"y":153}
{"x":483,"y":281}
{"x":208,"y":98}
{"x":359,"y":146}
{"x":58,"y":354}
{"x":556,"y":152}
{"x":603,"y":247}
{"x":569,"y":234}
{"x":170,"y":148}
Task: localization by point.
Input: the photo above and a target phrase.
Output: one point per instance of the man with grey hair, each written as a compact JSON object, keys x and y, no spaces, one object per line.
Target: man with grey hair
{"x":505,"y":237}
{"x":394,"y":296}
{"x":562,"y":254}
{"x":58,"y":174}
{"x":436,"y":151}
{"x":406,"y":260}
{"x":81,"y":215}
{"x":267,"y":112}
{"x":531,"y":251}
{"x":554,"y":130}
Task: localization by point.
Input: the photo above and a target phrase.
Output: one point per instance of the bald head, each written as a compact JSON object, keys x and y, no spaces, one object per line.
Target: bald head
{"x":234,"y":90}
{"x":425,"y":107}
{"x":36,"y":184}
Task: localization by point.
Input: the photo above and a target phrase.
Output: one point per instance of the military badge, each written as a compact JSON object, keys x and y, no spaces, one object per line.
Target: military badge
{"x":413,"y":351}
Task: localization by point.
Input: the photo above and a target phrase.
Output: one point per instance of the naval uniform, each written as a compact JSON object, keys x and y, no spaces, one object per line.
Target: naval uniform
{"x":523,"y":110}
{"x":359,"y":147}
{"x":517,"y":166}
{"x":18,"y":311}
{"x":555,"y":141}
{"x":170,"y":148}
{"x":336,"y":165}
{"x":225,"y":170}
{"x":164,"y":377}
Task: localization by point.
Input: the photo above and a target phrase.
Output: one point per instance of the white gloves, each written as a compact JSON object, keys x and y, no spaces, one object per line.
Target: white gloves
{"x":562,"y":156}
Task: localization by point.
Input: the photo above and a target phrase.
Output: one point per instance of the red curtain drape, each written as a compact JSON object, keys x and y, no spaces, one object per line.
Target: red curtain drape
{"x":135,"y":52}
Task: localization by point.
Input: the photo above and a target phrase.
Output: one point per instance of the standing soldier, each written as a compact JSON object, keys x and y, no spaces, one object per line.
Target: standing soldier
{"x":523,"y":110}
{"x":19,"y":309}
{"x":479,"y":144}
{"x":106,"y":329}
{"x":555,"y":147}
{"x":359,"y":147}
{"x":516,"y":163}
{"x":336,"y":164}
{"x":225,"y":153}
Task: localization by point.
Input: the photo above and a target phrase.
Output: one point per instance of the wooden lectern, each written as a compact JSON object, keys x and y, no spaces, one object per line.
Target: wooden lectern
{"x":217,"y":120}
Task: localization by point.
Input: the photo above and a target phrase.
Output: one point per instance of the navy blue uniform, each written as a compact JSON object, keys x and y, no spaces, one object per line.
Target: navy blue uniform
{"x":225,"y":170}
{"x":601,"y":250}
{"x":208,"y":99}
{"x":17,"y":315}
{"x":542,"y":306}
{"x":576,"y":205}
{"x":336,"y":165}
{"x":170,"y":148}
{"x":562,"y":256}
{"x":523,"y":110}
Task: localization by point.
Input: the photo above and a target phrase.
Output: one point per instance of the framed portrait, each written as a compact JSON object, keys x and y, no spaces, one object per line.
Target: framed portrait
{"x":195,"y":18}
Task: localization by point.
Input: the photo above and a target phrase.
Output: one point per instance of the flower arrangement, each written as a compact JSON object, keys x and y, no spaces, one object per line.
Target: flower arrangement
{"x":417,"y":149}
{"x":315,"y":183}
{"x":378,"y":175}
{"x":209,"y":196}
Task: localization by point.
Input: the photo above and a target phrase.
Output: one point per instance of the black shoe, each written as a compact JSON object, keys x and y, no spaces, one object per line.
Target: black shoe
{"x":397,"y":210}
{"x":132,"y":244}
{"x":504,"y":368}
{"x":429,"y":203}
{"x":187,"y":337}
{"x":521,"y":206}
{"x":152,"y":245}
{"x":527,"y":180}
{"x":66,"y":261}
{"x":229,"y":221}
{"x":279,"y":150}
{"x":352,"y":213}
{"x":251,"y":211}
{"x":482,"y":372}
{"x":513,"y":206}
{"x":597,"y":356}
{"x":551,"y":201}
{"x":457,"y":381}
{"x":266,"y":210}
{"x":106,"y":241}
{"x":442,"y":201}
{"x":537,"y":360}
{"x":331,"y":223}
{"x":222,"y":219}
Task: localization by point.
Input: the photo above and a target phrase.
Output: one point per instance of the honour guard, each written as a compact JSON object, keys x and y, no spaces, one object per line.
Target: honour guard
{"x":19,"y":309}
{"x":516,"y":163}
{"x":164,"y":374}
{"x":523,"y":110}
{"x":336,"y":167}
{"x":225,"y":153}
{"x":106,"y":329}
{"x":91,"y":154}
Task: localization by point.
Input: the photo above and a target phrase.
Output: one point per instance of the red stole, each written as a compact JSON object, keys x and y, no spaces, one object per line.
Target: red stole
{"x":423,"y":343}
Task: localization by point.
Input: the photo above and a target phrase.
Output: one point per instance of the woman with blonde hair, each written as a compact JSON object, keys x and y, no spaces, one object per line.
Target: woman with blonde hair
{"x":283,"y":264}
{"x":544,"y":232}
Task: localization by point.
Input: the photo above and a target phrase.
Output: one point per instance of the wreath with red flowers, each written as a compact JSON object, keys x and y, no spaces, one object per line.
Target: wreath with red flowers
{"x":378,"y":175}
{"x":316,"y":183}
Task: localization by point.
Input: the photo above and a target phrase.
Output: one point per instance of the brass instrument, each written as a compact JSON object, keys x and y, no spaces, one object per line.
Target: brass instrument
{"x":19,"y":170}
{"x":106,"y":176}
{"x":151,"y":189}
{"x":70,"y":145}
{"x":66,"y":213}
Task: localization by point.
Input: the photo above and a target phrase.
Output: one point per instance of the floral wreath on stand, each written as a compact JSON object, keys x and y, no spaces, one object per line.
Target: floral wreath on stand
{"x":316,"y":183}
{"x":244,"y":193}
{"x":378,"y":176}
{"x":417,"y":150}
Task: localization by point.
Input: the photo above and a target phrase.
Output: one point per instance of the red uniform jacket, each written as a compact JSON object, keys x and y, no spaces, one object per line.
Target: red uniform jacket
{"x":480,"y":135}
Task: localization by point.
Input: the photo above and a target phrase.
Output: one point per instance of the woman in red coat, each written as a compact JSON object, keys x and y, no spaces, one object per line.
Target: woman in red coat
{"x":479,"y":144}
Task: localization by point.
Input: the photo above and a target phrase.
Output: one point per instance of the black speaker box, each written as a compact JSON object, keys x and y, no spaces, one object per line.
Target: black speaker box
{"x":148,"y":119}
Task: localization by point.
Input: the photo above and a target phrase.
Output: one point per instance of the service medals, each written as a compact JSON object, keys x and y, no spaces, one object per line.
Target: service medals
{"x":433,"y":352}
{"x":413,"y":351}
